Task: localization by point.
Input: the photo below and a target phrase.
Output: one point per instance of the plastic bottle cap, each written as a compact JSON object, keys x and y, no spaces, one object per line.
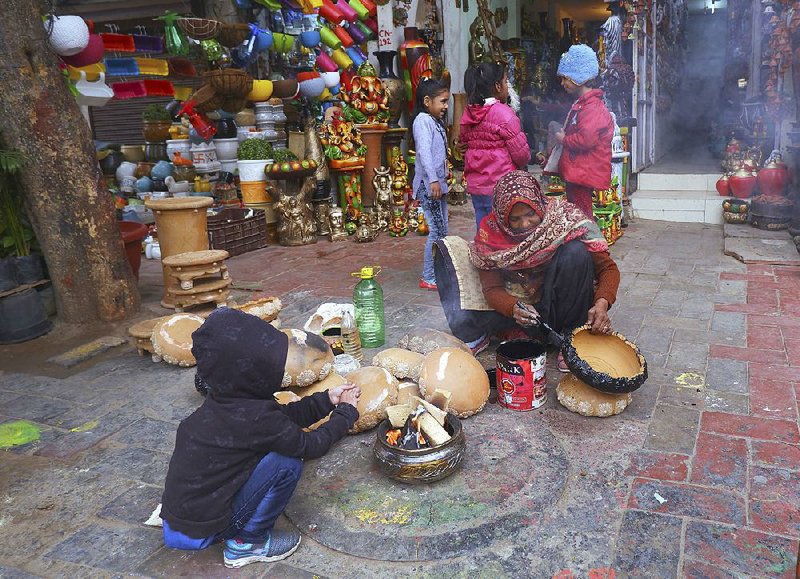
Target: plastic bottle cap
{"x":368,"y":272}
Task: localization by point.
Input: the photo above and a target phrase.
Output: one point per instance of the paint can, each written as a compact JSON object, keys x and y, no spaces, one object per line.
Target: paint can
{"x":521,"y":379}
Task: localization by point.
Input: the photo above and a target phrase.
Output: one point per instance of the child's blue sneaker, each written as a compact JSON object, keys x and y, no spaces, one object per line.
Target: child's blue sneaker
{"x":279,"y":545}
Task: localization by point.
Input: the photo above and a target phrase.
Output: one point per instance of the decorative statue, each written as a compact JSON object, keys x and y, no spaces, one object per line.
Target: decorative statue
{"x":364,"y":232}
{"x":382,"y":182}
{"x":413,"y":219}
{"x":398,"y":227}
{"x":295,"y":221}
{"x":366,"y":100}
{"x":612,"y":32}
{"x":422,"y":227}
{"x":336,"y":223}
{"x":477,"y":52}
{"x":457,"y":194}
{"x":343,"y":145}
{"x":314,"y":148}
{"x":618,"y":81}
{"x":321,"y":211}
{"x":399,"y":177}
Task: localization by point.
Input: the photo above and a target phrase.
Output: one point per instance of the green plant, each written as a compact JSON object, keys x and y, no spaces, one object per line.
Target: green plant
{"x":16,"y":232}
{"x":155,"y":113}
{"x":283,"y":155}
{"x":254,"y":150}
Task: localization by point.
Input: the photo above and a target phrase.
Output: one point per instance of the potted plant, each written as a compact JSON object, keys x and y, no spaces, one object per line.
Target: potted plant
{"x":253,"y":155}
{"x":156,"y":123}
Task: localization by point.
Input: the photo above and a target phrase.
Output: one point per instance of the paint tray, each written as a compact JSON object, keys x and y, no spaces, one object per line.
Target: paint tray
{"x":182,"y":67}
{"x":121,"y":67}
{"x":158,"y":88}
{"x":92,"y":71}
{"x":153,"y":66}
{"x":117,"y":42}
{"x":148,"y":43}
{"x":129,"y":90}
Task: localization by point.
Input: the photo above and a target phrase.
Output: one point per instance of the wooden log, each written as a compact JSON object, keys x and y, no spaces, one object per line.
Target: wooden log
{"x":398,"y":414}
{"x":432,"y":430}
{"x":441,"y":399}
{"x":440,"y":416}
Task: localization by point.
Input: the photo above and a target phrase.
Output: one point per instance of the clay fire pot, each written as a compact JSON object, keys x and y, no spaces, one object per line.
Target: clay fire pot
{"x":425,"y":465}
{"x":742,"y":183}
{"x":773,"y":179}
{"x":606,"y":362}
{"x":724,"y":186}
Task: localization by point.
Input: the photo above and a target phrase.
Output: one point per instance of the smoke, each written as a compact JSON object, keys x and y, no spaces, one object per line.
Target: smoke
{"x":513,"y":99}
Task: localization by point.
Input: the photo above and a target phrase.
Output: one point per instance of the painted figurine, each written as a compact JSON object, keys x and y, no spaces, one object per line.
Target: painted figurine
{"x":364,"y":232}
{"x":366,"y":100}
{"x":399,"y":224}
{"x":336,"y":224}
{"x":399,"y":177}
{"x":382,"y":181}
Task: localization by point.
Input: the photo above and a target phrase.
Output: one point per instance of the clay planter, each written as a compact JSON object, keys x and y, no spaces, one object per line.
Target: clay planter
{"x":156,"y":131}
{"x":742,"y":184}
{"x":773,"y":179}
{"x":724,"y":186}
{"x":606,"y":362}
{"x":424,"y":465}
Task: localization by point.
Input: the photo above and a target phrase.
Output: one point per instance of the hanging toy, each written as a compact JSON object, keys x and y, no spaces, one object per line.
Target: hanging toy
{"x":201,"y":123}
{"x":176,"y":42}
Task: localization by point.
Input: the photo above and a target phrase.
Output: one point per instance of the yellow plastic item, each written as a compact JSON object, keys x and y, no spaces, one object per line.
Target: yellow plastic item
{"x":153,"y":66}
{"x":182,"y":93}
{"x":262,"y":90}
{"x":92,"y":71}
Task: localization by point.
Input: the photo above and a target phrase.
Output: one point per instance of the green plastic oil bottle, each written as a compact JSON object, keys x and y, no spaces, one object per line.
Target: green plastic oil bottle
{"x":368,"y":302}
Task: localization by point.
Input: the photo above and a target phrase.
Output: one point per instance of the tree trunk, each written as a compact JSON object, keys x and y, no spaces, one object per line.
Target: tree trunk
{"x":70,"y":208}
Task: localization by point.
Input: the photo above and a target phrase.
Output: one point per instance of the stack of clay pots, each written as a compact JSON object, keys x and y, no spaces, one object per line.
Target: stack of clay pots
{"x":265,"y":121}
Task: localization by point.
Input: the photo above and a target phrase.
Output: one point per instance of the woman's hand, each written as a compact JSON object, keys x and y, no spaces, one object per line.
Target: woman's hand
{"x":344,"y":393}
{"x":598,"y":317}
{"x":560,"y":136}
{"x":436,"y":191}
{"x":525,"y":315}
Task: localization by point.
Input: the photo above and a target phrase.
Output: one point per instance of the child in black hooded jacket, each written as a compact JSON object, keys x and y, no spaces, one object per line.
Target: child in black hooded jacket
{"x":238,"y":457}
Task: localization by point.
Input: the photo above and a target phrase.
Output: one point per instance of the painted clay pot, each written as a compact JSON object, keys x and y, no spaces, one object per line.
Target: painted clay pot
{"x":156,"y":131}
{"x":415,"y":60}
{"x":742,"y":183}
{"x":724,"y":186}
{"x":773,"y":179}
{"x":421,"y":466}
{"x":606,"y":362}
{"x":394,"y":87}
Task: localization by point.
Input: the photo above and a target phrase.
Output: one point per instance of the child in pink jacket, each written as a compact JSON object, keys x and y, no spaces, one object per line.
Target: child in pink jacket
{"x":491,"y":132}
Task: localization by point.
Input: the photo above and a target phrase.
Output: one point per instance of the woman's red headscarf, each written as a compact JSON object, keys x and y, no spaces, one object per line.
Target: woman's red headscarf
{"x":497,"y":246}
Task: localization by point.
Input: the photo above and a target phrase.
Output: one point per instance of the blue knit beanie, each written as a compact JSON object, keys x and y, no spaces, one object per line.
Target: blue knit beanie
{"x":579,"y":64}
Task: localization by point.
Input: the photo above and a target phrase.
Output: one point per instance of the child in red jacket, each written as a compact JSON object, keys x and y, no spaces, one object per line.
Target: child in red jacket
{"x":585,"y":162}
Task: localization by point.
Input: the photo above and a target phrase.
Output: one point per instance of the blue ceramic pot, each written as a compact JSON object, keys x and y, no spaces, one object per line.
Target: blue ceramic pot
{"x":161,"y":170}
{"x":143,"y":184}
{"x":310,"y":38}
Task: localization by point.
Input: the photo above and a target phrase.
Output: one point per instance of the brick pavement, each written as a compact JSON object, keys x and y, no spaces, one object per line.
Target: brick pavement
{"x":699,"y":477}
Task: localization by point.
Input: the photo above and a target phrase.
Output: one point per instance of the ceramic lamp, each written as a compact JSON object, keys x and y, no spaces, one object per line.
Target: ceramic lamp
{"x":68,"y":35}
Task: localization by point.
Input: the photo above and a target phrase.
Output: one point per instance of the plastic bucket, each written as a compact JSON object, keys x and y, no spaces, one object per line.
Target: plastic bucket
{"x":521,"y":379}
{"x":254,"y":192}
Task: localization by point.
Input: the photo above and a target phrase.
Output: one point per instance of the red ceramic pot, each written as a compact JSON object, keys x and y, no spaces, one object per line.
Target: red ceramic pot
{"x":742,"y":183}
{"x":773,"y":179}
{"x":723,"y":186}
{"x":92,"y":54}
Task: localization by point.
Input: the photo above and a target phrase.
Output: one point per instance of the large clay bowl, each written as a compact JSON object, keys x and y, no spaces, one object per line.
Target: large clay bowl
{"x":607,"y":362}
{"x":421,"y":466}
{"x":284,"y":89}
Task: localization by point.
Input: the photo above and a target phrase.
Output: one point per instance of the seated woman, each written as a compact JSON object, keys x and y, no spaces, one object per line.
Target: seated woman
{"x":536,"y":259}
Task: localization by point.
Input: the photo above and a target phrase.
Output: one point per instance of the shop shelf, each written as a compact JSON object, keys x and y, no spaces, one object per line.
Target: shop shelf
{"x":148,"y":43}
{"x":121,"y":67}
{"x":117,"y":42}
{"x":153,"y":66}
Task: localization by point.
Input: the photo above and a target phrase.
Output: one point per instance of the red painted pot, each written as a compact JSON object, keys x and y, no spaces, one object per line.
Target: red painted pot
{"x":742,"y":184}
{"x":132,"y":235}
{"x":773,"y":179}
{"x":724,"y":186}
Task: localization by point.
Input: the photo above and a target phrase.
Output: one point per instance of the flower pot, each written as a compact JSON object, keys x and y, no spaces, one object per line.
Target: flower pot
{"x":284,"y":89}
{"x":125,"y":169}
{"x":742,"y":183}
{"x":133,"y":153}
{"x":132,"y":235}
{"x":161,"y":170}
{"x":226,"y":148}
{"x":262,"y":91}
{"x":30,"y":268}
{"x":22,"y":317}
{"x":394,"y":87}
{"x":182,"y":145}
{"x":254,"y":192}
{"x":252,"y":170}
{"x":154,"y":152}
{"x":68,"y":35}
{"x":8,"y":274}
{"x":156,"y":131}
{"x":226,"y":129}
{"x":773,"y":179}
{"x":110,"y":161}
{"x":724,"y":186}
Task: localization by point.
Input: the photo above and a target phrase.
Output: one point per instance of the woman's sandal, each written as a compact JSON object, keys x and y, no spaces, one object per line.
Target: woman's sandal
{"x":561,"y":364}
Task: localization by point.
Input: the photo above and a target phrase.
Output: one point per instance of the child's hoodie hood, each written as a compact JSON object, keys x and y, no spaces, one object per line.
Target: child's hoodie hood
{"x":239,"y":355}
{"x":474,"y":114}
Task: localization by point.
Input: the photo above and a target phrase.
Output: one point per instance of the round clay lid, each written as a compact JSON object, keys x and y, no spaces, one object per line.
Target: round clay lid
{"x":172,"y":203}
{"x":144,"y":329}
{"x":461,"y":374}
{"x":190,"y":258}
{"x":172,"y":338}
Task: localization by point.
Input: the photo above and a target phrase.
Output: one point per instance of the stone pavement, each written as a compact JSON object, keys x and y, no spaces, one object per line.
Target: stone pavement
{"x":697,"y":478}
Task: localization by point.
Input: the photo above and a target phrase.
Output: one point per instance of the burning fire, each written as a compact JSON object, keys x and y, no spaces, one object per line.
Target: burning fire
{"x":410,"y":436}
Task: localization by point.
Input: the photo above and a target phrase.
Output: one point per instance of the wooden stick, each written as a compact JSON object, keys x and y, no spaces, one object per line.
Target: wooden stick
{"x":432,"y":430}
{"x":398,"y":414}
{"x":431,"y":409}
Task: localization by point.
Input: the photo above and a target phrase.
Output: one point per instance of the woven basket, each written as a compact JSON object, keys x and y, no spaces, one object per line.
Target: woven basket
{"x":199,"y":28}
{"x":230,"y":82}
{"x":232,"y":35}
{"x":233,"y":104}
{"x":731,"y":217}
{"x":207,"y":99}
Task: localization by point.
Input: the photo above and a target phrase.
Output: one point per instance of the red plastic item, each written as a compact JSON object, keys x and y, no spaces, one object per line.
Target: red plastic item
{"x":158,"y":88}
{"x":90,"y":25}
{"x":330,"y":12}
{"x":129,"y":90}
{"x":341,"y":33}
{"x":182,"y":67}
{"x":201,"y":123}
{"x":723,"y":187}
{"x":132,"y":235}
{"x":92,"y":54}
{"x":372,"y":24}
{"x":371,"y":7}
{"x":117,"y":42}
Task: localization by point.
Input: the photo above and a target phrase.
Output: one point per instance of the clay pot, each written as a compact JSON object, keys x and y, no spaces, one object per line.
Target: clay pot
{"x":284,"y":89}
{"x":156,"y":132}
{"x":395,"y":88}
{"x":742,"y":183}
{"x":773,"y":179}
{"x":723,"y":186}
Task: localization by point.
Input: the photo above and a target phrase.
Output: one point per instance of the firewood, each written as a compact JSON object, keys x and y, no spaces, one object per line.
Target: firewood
{"x":432,"y":430}
{"x":441,"y":399}
{"x":398,"y":414}
{"x":431,"y":409}
{"x":405,"y":391}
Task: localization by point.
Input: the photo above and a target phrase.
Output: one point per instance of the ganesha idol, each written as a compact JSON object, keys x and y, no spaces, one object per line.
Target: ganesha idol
{"x":342,"y":144}
{"x":366,"y":101}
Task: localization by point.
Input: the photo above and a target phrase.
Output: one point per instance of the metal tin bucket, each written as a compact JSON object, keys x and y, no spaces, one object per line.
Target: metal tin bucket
{"x":521,"y":379}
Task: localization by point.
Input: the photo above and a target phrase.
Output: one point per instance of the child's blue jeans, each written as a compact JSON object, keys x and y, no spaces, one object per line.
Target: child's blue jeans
{"x":256,"y":506}
{"x":482,"y":204}
{"x":435,"y":211}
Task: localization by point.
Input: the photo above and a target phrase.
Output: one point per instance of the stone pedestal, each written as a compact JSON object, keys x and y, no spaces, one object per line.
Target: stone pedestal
{"x":372,"y":138}
{"x":182,"y":226}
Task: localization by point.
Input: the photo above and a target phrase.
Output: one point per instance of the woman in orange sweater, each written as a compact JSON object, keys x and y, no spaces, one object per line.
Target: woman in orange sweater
{"x":537,"y":259}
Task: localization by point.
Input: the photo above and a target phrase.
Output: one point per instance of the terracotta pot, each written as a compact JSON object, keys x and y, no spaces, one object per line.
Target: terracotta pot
{"x":395,"y":88}
{"x":773,"y":179}
{"x":723,"y":186}
{"x":742,"y":183}
{"x":415,"y":60}
{"x":156,"y":132}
